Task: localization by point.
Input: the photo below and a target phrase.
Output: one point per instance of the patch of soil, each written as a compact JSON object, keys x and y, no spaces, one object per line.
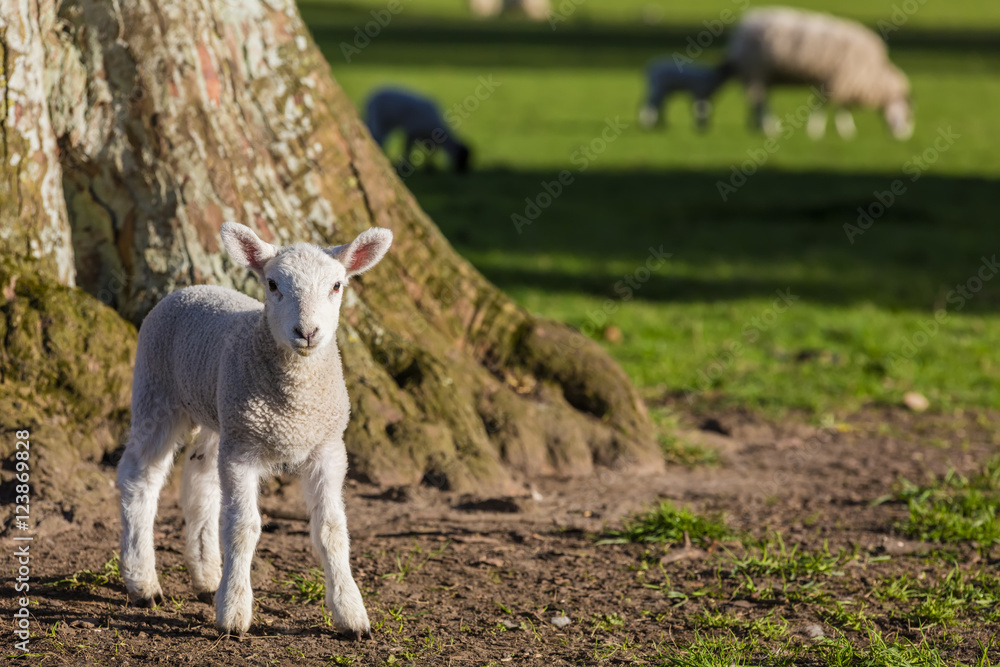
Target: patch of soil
{"x":464,"y":580}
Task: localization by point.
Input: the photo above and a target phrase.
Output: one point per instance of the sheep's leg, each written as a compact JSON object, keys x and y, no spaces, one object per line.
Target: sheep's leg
{"x":757,"y":98}
{"x":845,"y":124}
{"x":240,"y":531}
{"x":817,"y":123}
{"x":322,"y":483}
{"x":200,"y":499}
{"x":702,"y":114}
{"x":141,"y":473}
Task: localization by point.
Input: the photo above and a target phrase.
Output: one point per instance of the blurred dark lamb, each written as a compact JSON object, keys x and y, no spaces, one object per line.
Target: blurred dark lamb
{"x":391,"y":109}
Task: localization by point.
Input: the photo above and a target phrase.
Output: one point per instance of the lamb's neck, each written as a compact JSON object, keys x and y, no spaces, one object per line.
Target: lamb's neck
{"x":289,"y":372}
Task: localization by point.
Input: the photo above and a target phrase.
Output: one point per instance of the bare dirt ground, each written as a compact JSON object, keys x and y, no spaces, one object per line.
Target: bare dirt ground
{"x":453,"y":580}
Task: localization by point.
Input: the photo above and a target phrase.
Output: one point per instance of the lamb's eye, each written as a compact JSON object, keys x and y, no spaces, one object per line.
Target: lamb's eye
{"x":271,"y":285}
{"x":336,"y":287}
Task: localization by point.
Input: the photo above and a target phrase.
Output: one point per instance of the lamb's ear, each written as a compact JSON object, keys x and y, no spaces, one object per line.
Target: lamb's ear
{"x":363,"y":252}
{"x":245,"y":248}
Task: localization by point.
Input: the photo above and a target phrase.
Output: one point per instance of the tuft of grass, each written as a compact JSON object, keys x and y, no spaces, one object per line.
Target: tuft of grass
{"x":772,"y":558}
{"x":955,"y":508}
{"x":309,"y":587}
{"x":412,"y":563}
{"x":666,"y":524}
{"x":712,"y":651}
{"x":958,"y":595}
{"x":607,"y":622}
{"x":110,"y":573}
{"x":880,"y":651}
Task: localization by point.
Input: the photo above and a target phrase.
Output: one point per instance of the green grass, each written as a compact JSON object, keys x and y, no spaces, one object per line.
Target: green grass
{"x":308,"y":587}
{"x":666,"y":524}
{"x":704,"y":324}
{"x":771,"y":558}
{"x":954,"y":508}
{"x":110,"y":573}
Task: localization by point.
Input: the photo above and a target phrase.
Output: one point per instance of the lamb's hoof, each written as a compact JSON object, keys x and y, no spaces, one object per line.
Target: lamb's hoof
{"x":359,"y":635}
{"x":206,"y":597}
{"x":237,"y":637}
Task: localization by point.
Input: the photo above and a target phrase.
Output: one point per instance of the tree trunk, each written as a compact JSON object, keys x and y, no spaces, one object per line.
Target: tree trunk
{"x":150,"y":122}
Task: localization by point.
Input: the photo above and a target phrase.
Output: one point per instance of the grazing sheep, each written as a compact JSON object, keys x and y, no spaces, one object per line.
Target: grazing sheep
{"x":665,"y":77}
{"x":265,"y":384}
{"x":848,"y":62}
{"x":390,"y":109}
{"x":537,"y":10}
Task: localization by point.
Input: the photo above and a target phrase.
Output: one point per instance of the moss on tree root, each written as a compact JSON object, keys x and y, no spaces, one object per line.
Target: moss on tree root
{"x":65,"y":374}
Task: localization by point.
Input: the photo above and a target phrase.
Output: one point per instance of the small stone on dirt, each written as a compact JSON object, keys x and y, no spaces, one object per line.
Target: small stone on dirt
{"x":814,"y":631}
{"x":916,"y":401}
{"x":510,"y":625}
{"x":897,"y":547}
{"x":85,"y":623}
{"x":560,"y":621}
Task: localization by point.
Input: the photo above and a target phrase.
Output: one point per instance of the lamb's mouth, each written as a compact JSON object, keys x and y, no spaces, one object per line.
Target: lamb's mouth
{"x":304,"y":350}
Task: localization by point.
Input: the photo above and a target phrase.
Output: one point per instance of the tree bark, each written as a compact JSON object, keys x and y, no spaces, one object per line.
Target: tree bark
{"x":157,"y":120}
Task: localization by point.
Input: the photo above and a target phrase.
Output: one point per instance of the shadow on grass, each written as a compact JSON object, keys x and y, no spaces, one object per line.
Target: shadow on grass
{"x":779,"y":231}
{"x":411,"y":38}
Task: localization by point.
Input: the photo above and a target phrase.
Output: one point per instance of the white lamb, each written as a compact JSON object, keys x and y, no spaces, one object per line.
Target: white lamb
{"x":391,"y":109}
{"x":265,"y":384}
{"x":537,"y":10}
{"x":666,"y":76}
{"x":848,"y":62}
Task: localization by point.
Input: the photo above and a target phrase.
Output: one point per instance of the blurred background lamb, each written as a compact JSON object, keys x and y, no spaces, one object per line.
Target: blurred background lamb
{"x":393,"y":109}
{"x":666,"y":76}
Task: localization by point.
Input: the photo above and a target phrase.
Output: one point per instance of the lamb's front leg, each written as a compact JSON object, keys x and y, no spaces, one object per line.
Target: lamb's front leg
{"x":322,"y":483}
{"x":240,"y":531}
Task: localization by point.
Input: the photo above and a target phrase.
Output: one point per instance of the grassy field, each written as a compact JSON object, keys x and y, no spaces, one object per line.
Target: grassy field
{"x":859,"y":328}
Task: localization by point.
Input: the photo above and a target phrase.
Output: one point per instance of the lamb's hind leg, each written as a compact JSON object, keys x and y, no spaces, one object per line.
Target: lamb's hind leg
{"x":142,"y":471}
{"x":201,"y":501}
{"x":322,"y":483}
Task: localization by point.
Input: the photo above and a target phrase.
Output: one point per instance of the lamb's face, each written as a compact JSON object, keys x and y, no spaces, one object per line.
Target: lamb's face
{"x":304,"y":290}
{"x":304,"y":283}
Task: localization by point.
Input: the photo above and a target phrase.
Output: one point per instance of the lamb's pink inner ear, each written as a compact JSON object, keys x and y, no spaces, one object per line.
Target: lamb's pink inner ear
{"x":361,"y":256}
{"x":253,"y":253}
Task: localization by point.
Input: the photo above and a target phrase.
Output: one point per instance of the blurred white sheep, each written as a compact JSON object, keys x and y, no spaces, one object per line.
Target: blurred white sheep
{"x":848,"y":62}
